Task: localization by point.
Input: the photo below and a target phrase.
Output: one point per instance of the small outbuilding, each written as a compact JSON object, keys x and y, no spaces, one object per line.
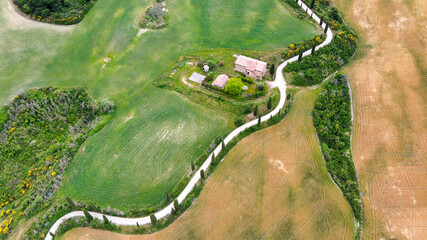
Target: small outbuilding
{"x":220,"y":81}
{"x":196,"y":77}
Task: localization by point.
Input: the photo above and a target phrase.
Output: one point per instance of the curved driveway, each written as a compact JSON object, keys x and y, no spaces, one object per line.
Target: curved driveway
{"x":279,"y":82}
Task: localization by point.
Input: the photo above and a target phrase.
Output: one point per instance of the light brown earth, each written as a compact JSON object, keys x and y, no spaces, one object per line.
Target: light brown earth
{"x":390,"y":142}
{"x":273,"y":185}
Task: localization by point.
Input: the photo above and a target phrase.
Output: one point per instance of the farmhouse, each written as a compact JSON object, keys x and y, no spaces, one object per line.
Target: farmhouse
{"x":220,"y":81}
{"x":250,"y":67}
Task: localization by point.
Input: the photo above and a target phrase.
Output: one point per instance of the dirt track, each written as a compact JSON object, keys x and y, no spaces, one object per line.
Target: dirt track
{"x":390,"y":93}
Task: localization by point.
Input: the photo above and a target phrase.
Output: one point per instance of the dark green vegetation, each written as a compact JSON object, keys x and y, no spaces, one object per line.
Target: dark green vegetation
{"x":41,"y":131}
{"x":332,"y":119}
{"x":316,"y":67}
{"x":55,"y":11}
{"x":155,"y":17}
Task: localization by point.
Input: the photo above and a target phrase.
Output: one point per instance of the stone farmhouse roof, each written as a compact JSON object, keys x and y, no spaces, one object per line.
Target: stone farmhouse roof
{"x":251,"y":64}
{"x":220,"y":81}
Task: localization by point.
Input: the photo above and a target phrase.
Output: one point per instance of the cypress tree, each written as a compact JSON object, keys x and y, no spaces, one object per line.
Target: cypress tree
{"x":88,"y":216}
{"x":256,"y":110}
{"x":259,"y":120}
{"x":70,"y":202}
{"x":193,"y":167}
{"x":153,"y":219}
{"x":202,"y":174}
{"x":326,"y":27}
{"x":312,"y":4}
{"x":269,"y":103}
{"x":321,"y":20}
{"x":300,"y":55}
{"x":288,"y":96}
{"x":176,"y":205}
{"x":137,"y":224}
{"x":52,"y":234}
{"x":222,"y":145}
{"x":105,"y":219}
{"x":213,"y":158}
{"x":272,"y":69}
{"x":314,"y":47}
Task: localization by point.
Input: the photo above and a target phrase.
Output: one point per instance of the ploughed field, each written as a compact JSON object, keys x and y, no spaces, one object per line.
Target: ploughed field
{"x":272,"y":185}
{"x":390,"y":105}
{"x":148,"y":144}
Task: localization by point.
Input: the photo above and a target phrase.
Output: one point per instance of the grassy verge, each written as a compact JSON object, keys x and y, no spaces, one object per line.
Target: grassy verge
{"x":332,"y":119}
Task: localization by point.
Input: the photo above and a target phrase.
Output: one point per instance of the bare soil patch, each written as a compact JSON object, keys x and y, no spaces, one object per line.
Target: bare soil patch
{"x":390,"y":101}
{"x":272,"y":185}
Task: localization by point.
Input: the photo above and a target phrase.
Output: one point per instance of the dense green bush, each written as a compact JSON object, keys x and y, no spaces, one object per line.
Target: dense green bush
{"x":314,"y":68}
{"x":332,"y":119}
{"x":55,"y":11}
{"x":155,"y":17}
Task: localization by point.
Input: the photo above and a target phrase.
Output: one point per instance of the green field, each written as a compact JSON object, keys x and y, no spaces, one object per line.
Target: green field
{"x":148,"y":144}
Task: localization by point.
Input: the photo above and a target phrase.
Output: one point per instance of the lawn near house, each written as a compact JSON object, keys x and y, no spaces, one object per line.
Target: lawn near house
{"x":155,"y":133}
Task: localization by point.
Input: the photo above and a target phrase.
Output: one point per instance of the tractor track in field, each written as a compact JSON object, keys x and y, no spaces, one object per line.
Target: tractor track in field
{"x":279,"y":82}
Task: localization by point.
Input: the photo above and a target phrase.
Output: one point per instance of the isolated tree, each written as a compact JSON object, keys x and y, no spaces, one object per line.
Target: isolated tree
{"x":234,"y":86}
{"x":193,"y":166}
{"x":269,"y":103}
{"x":314,"y":47}
{"x":202,"y":174}
{"x":300,"y":55}
{"x":222,"y":145}
{"x":326,"y":27}
{"x":288,"y":96}
{"x":321,"y":20}
{"x":272,"y":69}
{"x":106,"y":221}
{"x":153,"y":219}
{"x":70,"y":202}
{"x":88,"y":216}
{"x":137,"y":224}
{"x":259,"y":120}
{"x":256,"y":110}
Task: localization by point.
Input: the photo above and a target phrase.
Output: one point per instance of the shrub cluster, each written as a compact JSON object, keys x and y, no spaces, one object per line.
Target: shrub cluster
{"x":332,"y":119}
{"x":316,"y":67}
{"x":155,"y":17}
{"x":63,"y":12}
{"x":41,"y":131}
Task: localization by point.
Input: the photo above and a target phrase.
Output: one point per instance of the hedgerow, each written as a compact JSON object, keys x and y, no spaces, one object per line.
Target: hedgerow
{"x":332,"y":119}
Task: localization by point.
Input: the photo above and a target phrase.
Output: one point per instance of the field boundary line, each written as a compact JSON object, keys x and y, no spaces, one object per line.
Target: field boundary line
{"x":279,"y":82}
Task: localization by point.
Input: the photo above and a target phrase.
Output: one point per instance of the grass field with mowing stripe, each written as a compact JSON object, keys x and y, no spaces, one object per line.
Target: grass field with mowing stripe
{"x":154,"y":135}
